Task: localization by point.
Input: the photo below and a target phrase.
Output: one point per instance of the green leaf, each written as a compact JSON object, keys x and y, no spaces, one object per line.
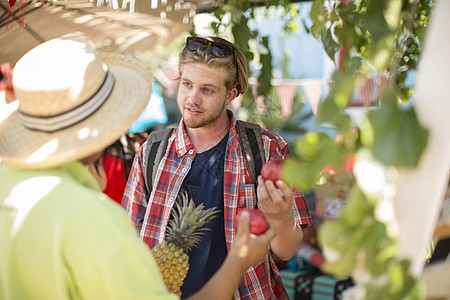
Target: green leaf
{"x":244,"y":4}
{"x":357,"y":208}
{"x":375,"y":239}
{"x":355,"y":64}
{"x":331,"y":113}
{"x":338,"y":238}
{"x":382,"y":21}
{"x":318,"y":17}
{"x":396,"y":277}
{"x":374,"y":20}
{"x":300,"y":174}
{"x":398,"y":137}
{"x":379,"y":53}
{"x":329,"y":44}
{"x":242,"y":35}
{"x":310,"y":154}
{"x":265,"y":76}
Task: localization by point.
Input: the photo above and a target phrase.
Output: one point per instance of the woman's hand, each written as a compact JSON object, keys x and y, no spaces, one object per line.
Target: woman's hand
{"x":248,"y":248}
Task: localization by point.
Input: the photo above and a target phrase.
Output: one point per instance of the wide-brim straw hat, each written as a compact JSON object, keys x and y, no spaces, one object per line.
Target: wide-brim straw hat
{"x":72,"y":103}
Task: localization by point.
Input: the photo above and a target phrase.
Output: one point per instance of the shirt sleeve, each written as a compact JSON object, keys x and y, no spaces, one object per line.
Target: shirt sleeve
{"x":135,"y":196}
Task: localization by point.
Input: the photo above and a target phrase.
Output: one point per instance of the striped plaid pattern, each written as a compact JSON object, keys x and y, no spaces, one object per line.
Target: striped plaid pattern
{"x":262,"y":281}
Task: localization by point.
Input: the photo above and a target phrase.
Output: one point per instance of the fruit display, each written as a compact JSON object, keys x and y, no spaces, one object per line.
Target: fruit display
{"x":184,"y":232}
{"x":271,"y":170}
{"x":258,"y":222}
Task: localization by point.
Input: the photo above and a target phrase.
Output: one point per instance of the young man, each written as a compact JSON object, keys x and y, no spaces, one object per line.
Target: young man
{"x":204,"y":157}
{"x":60,"y":236}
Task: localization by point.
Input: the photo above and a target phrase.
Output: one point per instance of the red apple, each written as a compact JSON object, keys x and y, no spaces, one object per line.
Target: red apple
{"x":258,"y":222}
{"x":271,"y":170}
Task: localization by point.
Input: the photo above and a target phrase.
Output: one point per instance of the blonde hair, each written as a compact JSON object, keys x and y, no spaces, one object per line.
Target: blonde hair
{"x":235,"y":78}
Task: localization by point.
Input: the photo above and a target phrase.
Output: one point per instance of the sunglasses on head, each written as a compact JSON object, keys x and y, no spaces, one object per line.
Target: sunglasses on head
{"x":216,"y":48}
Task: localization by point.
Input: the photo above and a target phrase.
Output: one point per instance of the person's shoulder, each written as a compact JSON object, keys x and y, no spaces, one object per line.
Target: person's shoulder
{"x":272,"y":136}
{"x":86,"y":207}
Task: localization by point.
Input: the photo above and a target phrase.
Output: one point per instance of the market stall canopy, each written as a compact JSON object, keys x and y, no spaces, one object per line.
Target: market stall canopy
{"x":29,"y":23}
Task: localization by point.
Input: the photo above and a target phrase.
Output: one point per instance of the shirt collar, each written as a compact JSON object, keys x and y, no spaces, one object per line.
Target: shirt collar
{"x":81,"y":174}
{"x":182,"y":142}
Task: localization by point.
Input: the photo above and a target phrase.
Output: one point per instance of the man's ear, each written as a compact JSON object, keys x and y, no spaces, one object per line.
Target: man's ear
{"x":231,"y":95}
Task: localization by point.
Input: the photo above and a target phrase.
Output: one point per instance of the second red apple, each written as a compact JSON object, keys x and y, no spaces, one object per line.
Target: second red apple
{"x":271,"y":170}
{"x":258,"y":222}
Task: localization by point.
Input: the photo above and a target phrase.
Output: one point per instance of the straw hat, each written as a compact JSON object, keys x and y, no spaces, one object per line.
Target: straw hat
{"x":72,"y":103}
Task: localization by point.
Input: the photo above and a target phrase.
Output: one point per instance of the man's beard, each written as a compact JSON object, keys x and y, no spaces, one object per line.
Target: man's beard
{"x":193,"y":122}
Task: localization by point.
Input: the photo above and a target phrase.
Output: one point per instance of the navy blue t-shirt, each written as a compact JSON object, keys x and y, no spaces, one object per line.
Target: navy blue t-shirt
{"x":204,"y":184}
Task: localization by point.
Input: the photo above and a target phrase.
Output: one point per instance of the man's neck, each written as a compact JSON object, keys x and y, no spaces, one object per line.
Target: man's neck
{"x":205,"y":138}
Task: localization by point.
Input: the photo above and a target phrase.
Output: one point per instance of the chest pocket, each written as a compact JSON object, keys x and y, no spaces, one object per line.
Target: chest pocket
{"x":247,"y":192}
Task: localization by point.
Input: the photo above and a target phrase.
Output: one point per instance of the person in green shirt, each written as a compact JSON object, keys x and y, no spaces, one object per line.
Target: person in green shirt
{"x":60,"y":236}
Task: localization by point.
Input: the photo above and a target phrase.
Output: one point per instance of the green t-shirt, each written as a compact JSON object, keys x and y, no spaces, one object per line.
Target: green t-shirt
{"x":61,"y":238}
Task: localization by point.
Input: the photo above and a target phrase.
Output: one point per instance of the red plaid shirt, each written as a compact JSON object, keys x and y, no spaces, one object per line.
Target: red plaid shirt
{"x":262,"y":281}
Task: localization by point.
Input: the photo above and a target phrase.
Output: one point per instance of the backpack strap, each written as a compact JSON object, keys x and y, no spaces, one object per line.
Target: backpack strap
{"x":250,"y":139}
{"x":156,"y":147}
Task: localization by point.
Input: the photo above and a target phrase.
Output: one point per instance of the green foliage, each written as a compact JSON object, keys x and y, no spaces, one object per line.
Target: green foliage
{"x":312,"y":152}
{"x":363,"y":243}
{"x":331,"y":109}
{"x":241,"y":12}
{"x":330,"y":45}
{"x":385,"y":36}
{"x":395,"y":136}
{"x":410,"y":39}
{"x":397,"y":283}
{"x":264,"y":79}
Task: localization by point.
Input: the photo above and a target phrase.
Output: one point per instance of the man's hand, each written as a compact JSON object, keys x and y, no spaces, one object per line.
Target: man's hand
{"x":275,"y":201}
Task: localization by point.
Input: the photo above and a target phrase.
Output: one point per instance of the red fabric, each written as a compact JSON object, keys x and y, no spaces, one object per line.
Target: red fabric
{"x":5,"y":83}
{"x":116,"y":180}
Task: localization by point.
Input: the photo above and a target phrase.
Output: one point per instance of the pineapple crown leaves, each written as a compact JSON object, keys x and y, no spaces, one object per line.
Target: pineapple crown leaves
{"x":186,"y":228}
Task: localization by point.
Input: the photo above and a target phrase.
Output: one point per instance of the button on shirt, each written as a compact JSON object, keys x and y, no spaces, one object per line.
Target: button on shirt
{"x":261,"y":281}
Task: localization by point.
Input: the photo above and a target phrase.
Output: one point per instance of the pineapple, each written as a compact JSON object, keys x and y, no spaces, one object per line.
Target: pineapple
{"x":184,"y":232}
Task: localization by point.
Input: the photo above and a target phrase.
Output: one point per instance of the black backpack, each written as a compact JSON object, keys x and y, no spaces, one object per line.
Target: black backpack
{"x":250,"y":140}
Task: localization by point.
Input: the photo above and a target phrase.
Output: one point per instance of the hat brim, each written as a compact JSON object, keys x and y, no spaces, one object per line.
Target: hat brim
{"x":24,"y":148}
